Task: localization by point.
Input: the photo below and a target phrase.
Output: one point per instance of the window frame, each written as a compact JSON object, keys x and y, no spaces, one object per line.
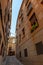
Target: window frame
{"x":34,"y":22}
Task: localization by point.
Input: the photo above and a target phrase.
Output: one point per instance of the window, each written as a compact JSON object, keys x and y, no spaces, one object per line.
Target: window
{"x":29,"y":9}
{"x":2,"y":52}
{"x":16,"y":29}
{"x":5,"y":14}
{"x":21,"y":15}
{"x":19,"y":25}
{"x":23,"y":32}
{"x":4,"y":18}
{"x":22,"y":19}
{"x":3,"y":27}
{"x":39,"y":48}
{"x":19,"y":38}
{"x":20,"y":54}
{"x":8,"y":17}
{"x":0,"y":37}
{"x":0,"y":41}
{"x":0,"y":12}
{"x":27,"y":2}
{"x":25,"y":53}
{"x":9,"y":27}
{"x":42,"y":2}
{"x":34,"y":22}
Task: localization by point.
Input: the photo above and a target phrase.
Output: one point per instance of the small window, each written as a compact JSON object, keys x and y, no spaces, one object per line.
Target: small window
{"x":3,"y":27}
{"x":19,"y":25}
{"x":25,"y":53}
{"x":34,"y":22}
{"x":21,"y":15}
{"x":20,"y":54}
{"x":39,"y":48}
{"x":2,"y":52}
{"x":0,"y":37}
{"x":23,"y":32}
{"x":22,"y":19}
{"x":16,"y":29}
{"x":8,"y":17}
{"x":0,"y":12}
{"x":26,"y":2}
{"x":19,"y":38}
{"x":29,"y":9}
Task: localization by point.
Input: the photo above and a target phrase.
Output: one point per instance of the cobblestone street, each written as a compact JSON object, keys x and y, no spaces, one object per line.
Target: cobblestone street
{"x":12,"y":60}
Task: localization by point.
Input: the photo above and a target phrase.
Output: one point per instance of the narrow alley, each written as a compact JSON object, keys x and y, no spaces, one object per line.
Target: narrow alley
{"x":21,"y":32}
{"x":12,"y":60}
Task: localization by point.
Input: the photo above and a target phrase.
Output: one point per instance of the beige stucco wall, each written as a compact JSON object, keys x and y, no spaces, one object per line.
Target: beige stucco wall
{"x":30,"y":39}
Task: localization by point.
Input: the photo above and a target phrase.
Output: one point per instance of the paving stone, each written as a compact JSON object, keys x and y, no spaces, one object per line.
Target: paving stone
{"x":12,"y":60}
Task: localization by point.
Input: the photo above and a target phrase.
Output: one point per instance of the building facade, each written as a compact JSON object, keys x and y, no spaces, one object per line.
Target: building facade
{"x":11,"y":47}
{"x":5,"y":23}
{"x":29,"y":33}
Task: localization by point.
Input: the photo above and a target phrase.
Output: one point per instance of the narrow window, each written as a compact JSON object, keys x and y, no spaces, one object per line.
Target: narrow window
{"x":0,"y":37}
{"x":2,"y":52}
{"x":8,"y":17}
{"x":26,"y":2}
{"x":25,"y":52}
{"x":19,"y":38}
{"x":29,"y":9}
{"x":23,"y":32}
{"x":0,"y":12}
{"x":20,"y":54}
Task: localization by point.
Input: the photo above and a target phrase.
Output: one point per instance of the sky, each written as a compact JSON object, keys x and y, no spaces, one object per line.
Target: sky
{"x":15,"y":10}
